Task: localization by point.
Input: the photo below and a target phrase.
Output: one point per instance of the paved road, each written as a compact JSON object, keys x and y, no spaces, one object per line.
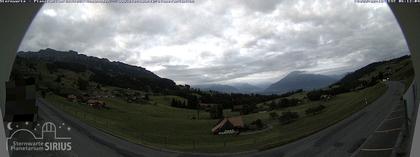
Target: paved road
{"x":341,"y":139}
{"x":386,"y":136}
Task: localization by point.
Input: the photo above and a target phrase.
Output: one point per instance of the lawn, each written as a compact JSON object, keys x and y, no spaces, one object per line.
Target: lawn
{"x":157,"y":124}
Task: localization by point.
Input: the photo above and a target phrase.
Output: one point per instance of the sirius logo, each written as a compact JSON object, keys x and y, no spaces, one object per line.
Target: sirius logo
{"x":26,"y":139}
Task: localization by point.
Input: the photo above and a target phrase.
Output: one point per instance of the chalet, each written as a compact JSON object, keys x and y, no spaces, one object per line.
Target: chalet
{"x":72,"y":98}
{"x":325,"y":97}
{"x":83,"y":99}
{"x":96,"y":103}
{"x":207,"y":107}
{"x":232,"y":125}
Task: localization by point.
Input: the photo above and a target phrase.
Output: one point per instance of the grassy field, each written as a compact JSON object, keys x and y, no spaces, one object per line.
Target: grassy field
{"x":157,"y":124}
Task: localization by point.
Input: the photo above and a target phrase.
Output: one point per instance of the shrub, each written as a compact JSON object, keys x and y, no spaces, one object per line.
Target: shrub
{"x":288,"y":117}
{"x":314,"y":110}
{"x":258,"y":123}
{"x":82,"y":84}
{"x":274,"y":115}
{"x":314,"y":95}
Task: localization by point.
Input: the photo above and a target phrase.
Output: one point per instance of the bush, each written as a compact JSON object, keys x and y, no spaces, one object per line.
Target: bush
{"x":285,"y":102}
{"x":314,"y":95}
{"x":314,"y":110}
{"x":274,"y":115}
{"x":178,"y":103}
{"x":258,"y":123}
{"x":288,"y":117}
{"x":82,"y":84}
{"x":64,"y":92}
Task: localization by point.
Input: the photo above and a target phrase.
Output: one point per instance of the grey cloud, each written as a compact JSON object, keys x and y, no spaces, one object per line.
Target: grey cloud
{"x":234,"y":66}
{"x":156,"y":60}
{"x":206,"y":54}
{"x":279,"y":37}
{"x":261,"y":6}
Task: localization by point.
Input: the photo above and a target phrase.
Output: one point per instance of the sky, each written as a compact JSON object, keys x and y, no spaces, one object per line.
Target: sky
{"x":224,"y":42}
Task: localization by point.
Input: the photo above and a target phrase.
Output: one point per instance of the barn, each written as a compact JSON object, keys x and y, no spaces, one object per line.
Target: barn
{"x":96,"y":104}
{"x":232,"y":125}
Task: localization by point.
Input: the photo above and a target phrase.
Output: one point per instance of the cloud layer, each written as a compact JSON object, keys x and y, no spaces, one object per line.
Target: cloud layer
{"x":216,"y":41}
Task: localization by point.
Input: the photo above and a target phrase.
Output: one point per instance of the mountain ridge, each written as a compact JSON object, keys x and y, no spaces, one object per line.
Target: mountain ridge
{"x":296,"y":80}
{"x":105,"y":72}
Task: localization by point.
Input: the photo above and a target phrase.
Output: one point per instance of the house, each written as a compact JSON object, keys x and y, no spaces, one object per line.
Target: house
{"x":72,"y":98}
{"x":207,"y":107}
{"x":232,"y":125}
{"x":325,"y":97}
{"x":82,"y":99}
{"x":96,"y":104}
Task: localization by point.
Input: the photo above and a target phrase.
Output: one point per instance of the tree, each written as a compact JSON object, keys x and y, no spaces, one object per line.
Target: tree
{"x":146,"y":97}
{"x":43,"y":93}
{"x":314,"y":110}
{"x":173,"y":103}
{"x":216,"y":112}
{"x":248,"y":108}
{"x":372,"y":82}
{"x":98,"y":86}
{"x":40,"y":77}
{"x":288,"y":117}
{"x":314,"y":95}
{"x":192,"y":102}
{"x":258,"y":123}
{"x":177,"y":103}
{"x":58,"y":79}
{"x":380,"y":75}
{"x":285,"y":102}
{"x":274,"y":115}
{"x":82,"y":84}
{"x":273,"y":105}
{"x":51,"y":67}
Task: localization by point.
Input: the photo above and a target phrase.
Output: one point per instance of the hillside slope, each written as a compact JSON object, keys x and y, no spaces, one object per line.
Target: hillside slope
{"x":102,"y":70}
{"x":395,"y":69}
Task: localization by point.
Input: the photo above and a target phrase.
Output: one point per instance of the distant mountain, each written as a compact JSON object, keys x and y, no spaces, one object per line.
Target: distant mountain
{"x":246,"y":88}
{"x":299,"y":80}
{"x":338,"y":76}
{"x":104,"y":71}
{"x":217,"y":87}
{"x":233,"y":88}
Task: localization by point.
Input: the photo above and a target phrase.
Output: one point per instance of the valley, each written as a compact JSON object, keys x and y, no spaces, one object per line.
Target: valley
{"x":136,"y":105}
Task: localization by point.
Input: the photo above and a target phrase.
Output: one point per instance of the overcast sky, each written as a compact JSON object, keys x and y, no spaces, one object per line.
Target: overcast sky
{"x":219,"y":41}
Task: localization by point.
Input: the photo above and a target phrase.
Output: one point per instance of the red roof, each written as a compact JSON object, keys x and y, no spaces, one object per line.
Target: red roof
{"x":235,"y":121}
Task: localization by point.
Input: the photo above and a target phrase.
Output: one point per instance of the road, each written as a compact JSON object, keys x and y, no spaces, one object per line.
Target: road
{"x":341,"y":139}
